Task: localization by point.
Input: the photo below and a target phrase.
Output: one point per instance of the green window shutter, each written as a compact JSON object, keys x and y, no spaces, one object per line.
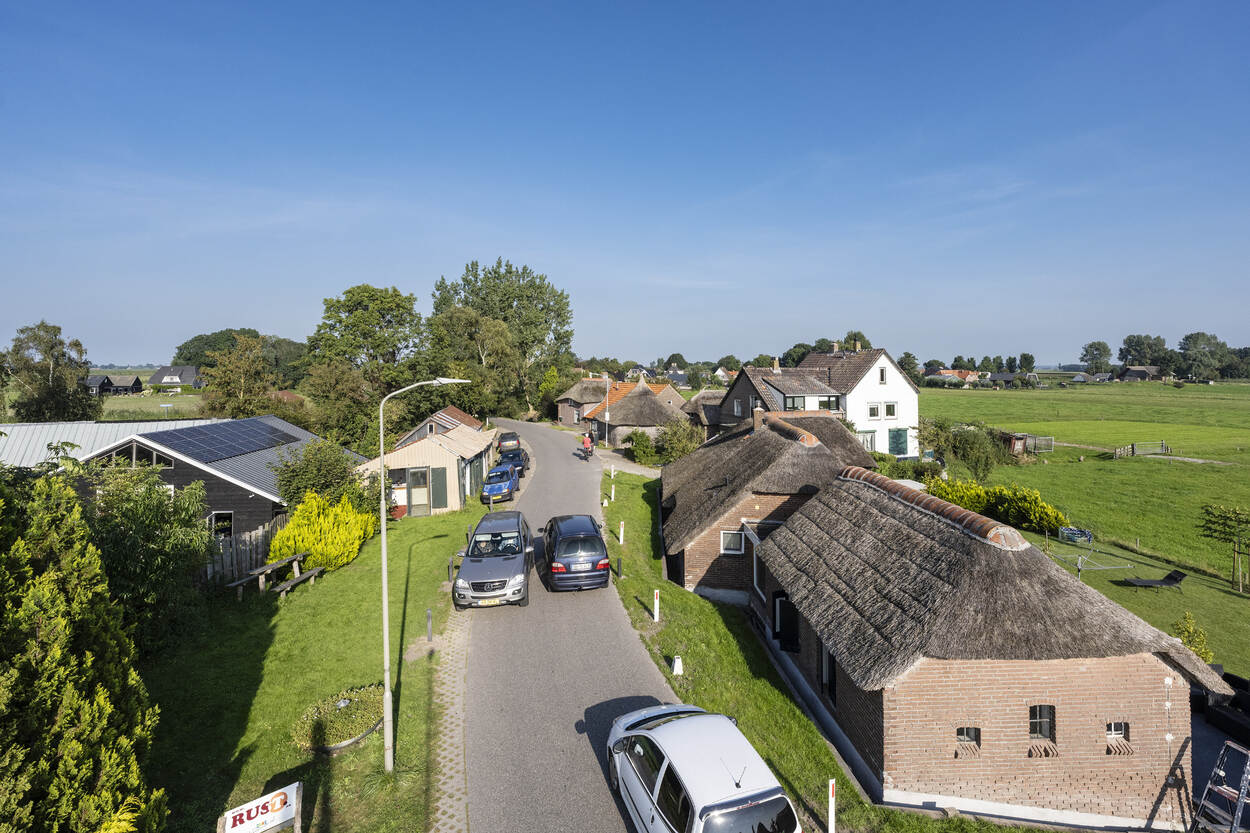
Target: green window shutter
{"x":438,"y":488}
{"x":898,"y":441}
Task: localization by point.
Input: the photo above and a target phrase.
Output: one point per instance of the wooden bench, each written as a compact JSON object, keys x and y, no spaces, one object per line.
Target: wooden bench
{"x":309,"y":575}
{"x":262,"y":572}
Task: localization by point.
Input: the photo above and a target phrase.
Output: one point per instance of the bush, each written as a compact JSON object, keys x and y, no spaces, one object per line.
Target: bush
{"x":677,"y":439}
{"x":1013,"y":505}
{"x":331,"y":534}
{"x":1193,"y":637}
{"x":327,"y":723}
{"x":1178,"y":384}
{"x":323,"y":467}
{"x":641,"y":449}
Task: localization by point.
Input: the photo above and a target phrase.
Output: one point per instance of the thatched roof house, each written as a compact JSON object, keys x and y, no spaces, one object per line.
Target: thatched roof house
{"x":645,"y":406}
{"x":761,"y":469}
{"x":704,"y":408}
{"x":574,"y":402}
{"x":973,"y":669}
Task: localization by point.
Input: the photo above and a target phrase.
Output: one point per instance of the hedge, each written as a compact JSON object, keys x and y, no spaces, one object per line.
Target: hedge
{"x":1015,"y":505}
{"x":331,"y":534}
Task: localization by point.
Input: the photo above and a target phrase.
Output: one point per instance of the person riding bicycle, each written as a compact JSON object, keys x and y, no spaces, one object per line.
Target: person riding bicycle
{"x":587,"y":446}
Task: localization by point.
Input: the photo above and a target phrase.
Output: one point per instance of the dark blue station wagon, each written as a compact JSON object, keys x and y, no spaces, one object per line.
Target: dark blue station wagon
{"x":576,"y":556}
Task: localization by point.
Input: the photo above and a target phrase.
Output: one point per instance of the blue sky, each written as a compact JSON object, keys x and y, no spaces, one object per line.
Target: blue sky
{"x":728,"y":177}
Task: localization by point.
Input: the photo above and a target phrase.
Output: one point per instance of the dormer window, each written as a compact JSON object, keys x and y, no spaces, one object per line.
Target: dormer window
{"x":794,"y":403}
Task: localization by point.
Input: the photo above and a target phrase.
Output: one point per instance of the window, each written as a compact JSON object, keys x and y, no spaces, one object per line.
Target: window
{"x":794,"y":403}
{"x":874,"y":410}
{"x":753,"y":401}
{"x":891,"y":410}
{"x":731,"y":543}
{"x":162,"y":460}
{"x":673,"y":802}
{"x":221,"y":524}
{"x":829,"y":403}
{"x":1117,"y":738}
{"x":868,"y":439}
{"x":429,"y":429}
{"x":829,"y":676}
{"x":646,"y":759}
{"x":881,"y":375}
{"x":1042,"y":732}
{"x":757,"y":573}
{"x":968,"y":742}
{"x":737,"y":407}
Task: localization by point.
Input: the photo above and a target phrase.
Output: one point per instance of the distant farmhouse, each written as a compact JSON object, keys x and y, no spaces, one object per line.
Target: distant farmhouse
{"x":176,"y":376}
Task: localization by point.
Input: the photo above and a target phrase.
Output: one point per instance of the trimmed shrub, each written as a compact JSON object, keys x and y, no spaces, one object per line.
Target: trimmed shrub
{"x":641,"y":448}
{"x":331,"y":534}
{"x":1193,"y":637}
{"x":346,"y":715}
{"x":1014,"y":505}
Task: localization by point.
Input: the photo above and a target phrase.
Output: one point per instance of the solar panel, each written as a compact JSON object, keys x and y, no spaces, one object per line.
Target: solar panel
{"x":209,"y":443}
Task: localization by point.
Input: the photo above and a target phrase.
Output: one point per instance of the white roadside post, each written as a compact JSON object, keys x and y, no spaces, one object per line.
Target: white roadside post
{"x":613,"y":492}
{"x":833,"y":794}
{"x":388,"y":721}
{"x":655,"y":607}
{"x":621,"y":536}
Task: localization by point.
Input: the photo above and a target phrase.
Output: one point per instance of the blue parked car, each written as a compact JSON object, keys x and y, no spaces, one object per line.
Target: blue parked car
{"x":501,"y":484}
{"x":577,"y":558}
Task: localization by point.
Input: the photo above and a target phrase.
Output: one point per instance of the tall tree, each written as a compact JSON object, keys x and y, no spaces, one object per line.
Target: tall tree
{"x":675,"y":359}
{"x":960,"y":363}
{"x":852,"y":336}
{"x":238,"y":384}
{"x":466,"y":344}
{"x":48,"y":374}
{"x":1142,"y":349}
{"x":933,"y":364}
{"x":1202,"y":355}
{"x":343,"y":405}
{"x":378,"y":331}
{"x":987,"y":365}
{"x":75,"y":721}
{"x":997,"y":361}
{"x":286,"y":360}
{"x":536,"y":312}
{"x":795,"y":354}
{"x":729,"y":362}
{"x":1027,"y":362}
{"x":822,"y":345}
{"x":910,"y":365}
{"x":1096,"y":355}
{"x":194,"y":351}
{"x":1011,"y":364}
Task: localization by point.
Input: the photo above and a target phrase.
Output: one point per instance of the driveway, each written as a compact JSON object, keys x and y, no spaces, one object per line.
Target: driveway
{"x":545,"y":681}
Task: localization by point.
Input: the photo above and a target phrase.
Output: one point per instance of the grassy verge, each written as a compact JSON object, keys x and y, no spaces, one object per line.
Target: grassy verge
{"x":727,"y":670}
{"x":229,"y":696}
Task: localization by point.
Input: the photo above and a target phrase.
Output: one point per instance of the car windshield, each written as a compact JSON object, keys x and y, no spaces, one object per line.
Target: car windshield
{"x":510,"y":456}
{"x":573,"y":547}
{"x":772,"y":816}
{"x":498,"y":477}
{"x":486,"y":544}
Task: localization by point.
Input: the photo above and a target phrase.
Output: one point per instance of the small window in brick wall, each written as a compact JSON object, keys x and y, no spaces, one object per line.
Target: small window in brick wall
{"x":968,"y":742}
{"x":1117,"y":738}
{"x":1042,"y":732}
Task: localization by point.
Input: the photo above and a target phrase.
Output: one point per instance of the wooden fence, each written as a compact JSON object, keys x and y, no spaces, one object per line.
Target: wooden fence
{"x":237,"y":554}
{"x":1135,"y":449}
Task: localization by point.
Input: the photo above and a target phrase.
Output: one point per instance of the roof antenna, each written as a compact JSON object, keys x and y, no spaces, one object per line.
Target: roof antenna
{"x":737,"y":781}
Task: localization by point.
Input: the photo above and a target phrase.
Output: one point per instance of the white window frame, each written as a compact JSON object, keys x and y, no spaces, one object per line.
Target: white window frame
{"x":742,"y":538}
{"x":877,"y":406}
{"x":881,"y":376}
{"x":737,"y":407}
{"x":891,"y":406}
{"x":212,"y":522}
{"x":169,"y":487}
{"x":1121,"y":732}
{"x":791,"y":399}
{"x":868,"y":439}
{"x":756,"y":563}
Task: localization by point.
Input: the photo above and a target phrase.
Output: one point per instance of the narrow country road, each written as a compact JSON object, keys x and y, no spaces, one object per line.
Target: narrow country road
{"x":544,"y":682}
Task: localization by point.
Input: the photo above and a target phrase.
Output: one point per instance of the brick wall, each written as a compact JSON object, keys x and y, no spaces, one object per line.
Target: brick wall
{"x":925,"y":707}
{"x":707,"y":567}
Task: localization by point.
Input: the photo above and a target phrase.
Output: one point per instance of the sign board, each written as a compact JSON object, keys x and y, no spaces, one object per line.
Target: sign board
{"x":281,"y":808}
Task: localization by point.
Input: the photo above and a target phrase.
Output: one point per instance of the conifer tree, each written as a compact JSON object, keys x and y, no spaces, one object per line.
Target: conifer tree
{"x":75,"y":721}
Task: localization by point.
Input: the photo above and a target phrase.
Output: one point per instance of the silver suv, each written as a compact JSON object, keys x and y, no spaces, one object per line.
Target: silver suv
{"x":495,"y":566}
{"x":680,"y":768}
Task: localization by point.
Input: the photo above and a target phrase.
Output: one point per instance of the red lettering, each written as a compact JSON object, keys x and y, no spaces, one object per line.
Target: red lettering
{"x":236,"y":819}
{"x":264,"y":808}
{"x":252,"y":812}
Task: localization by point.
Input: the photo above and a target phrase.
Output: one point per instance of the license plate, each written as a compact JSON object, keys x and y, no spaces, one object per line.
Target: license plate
{"x":581,"y":568}
{"x":489,"y":602}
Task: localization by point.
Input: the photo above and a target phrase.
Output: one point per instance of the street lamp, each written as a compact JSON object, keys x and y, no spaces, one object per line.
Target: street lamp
{"x":388,"y":723}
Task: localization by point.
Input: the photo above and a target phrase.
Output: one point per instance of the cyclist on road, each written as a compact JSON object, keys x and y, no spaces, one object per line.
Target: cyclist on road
{"x":587,"y":446}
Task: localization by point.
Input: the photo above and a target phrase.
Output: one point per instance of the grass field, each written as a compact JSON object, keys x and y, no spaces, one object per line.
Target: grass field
{"x":151,"y":406}
{"x":727,"y":670}
{"x":228,"y":698}
{"x":1154,"y":501}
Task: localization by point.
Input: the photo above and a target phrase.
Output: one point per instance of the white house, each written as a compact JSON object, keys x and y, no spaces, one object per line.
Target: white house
{"x":877,"y":397}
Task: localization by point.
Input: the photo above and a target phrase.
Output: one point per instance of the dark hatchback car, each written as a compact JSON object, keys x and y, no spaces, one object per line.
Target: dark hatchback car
{"x":576,"y":556}
{"x":518,"y":458}
{"x":508,"y":441}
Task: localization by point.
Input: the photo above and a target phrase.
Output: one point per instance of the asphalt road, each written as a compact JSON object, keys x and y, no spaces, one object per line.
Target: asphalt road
{"x":545,"y":681}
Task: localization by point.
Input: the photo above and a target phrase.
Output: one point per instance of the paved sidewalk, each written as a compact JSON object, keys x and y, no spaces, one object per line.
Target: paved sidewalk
{"x":616,"y":457}
{"x":450,"y":813}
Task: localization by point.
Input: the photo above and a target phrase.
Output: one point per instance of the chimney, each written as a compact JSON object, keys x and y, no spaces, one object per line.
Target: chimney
{"x":835,"y":347}
{"x":776,"y":365}
{"x":757,"y":418}
{"x":857,"y":347}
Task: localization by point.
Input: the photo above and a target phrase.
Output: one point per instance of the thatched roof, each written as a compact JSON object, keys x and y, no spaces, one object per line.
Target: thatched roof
{"x":641,"y":407}
{"x":704,"y":406}
{"x":843,"y":370}
{"x":778,"y":458}
{"x":887,"y":575}
{"x":586,"y":390}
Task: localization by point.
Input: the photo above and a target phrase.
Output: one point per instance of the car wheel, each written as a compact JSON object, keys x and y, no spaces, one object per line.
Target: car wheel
{"x":614,"y":780}
{"x":525,"y":600}
{"x":457,"y":606}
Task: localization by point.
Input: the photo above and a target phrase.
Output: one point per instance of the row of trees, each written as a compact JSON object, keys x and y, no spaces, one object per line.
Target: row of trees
{"x":1198,"y":356}
{"x":1024,"y":363}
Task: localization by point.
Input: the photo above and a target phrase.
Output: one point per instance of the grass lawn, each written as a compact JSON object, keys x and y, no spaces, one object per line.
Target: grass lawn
{"x":149,"y":406}
{"x":229,"y":696}
{"x":1154,"y":500}
{"x":727,"y":670}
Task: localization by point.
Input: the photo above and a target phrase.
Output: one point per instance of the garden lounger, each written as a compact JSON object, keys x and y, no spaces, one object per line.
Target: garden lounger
{"x":1172,"y":579}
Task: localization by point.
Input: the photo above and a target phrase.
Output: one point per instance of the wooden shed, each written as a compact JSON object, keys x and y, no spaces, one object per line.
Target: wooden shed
{"x":437,"y":473}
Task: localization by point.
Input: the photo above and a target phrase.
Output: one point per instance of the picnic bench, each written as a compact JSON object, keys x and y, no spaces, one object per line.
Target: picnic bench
{"x":1172,"y":579}
{"x":262,"y":572}
{"x":308,"y":575}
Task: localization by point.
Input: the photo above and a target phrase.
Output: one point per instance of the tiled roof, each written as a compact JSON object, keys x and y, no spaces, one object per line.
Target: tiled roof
{"x":619,"y":391}
{"x":843,"y":369}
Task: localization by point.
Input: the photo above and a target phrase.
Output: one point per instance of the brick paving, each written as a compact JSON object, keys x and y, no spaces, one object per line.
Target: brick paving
{"x":450,"y":812}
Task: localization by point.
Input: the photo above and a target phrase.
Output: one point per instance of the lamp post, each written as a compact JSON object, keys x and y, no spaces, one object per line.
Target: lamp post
{"x":388,"y":722}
